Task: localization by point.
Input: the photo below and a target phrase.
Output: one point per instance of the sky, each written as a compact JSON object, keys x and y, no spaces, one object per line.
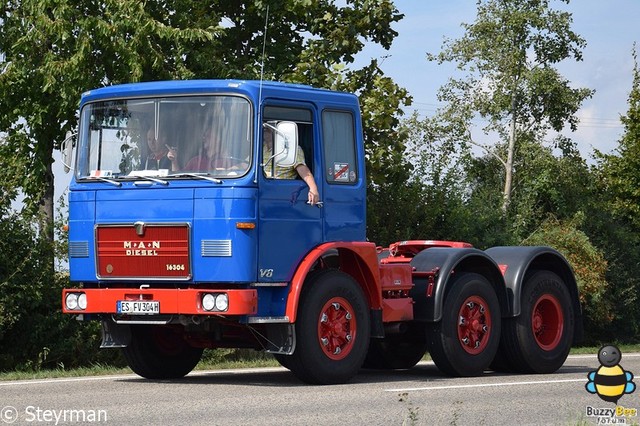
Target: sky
{"x":609,"y":28}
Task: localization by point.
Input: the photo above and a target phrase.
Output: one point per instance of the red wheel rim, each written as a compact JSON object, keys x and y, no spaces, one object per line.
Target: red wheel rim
{"x":474,"y":325}
{"x":337,"y":328}
{"x":547,"y":322}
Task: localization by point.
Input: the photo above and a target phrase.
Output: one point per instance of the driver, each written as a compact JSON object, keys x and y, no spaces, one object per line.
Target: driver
{"x":161,"y":155}
{"x":299,"y":168}
{"x":212,"y":154}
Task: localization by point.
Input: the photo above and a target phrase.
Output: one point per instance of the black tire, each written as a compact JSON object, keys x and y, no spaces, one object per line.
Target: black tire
{"x":500,"y":362}
{"x":346,"y":329}
{"x":160,"y":352}
{"x":466,"y":348}
{"x":397,"y":351}
{"x":539,"y":339}
{"x":283,"y":360}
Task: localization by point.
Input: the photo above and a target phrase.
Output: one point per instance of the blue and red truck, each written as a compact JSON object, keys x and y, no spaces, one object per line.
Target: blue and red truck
{"x":181,"y":239}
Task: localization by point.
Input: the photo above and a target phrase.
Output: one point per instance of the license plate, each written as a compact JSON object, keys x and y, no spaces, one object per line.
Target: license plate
{"x":138,"y":307}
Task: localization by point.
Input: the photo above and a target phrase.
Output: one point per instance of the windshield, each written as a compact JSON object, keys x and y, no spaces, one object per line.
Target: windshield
{"x":165,"y":136}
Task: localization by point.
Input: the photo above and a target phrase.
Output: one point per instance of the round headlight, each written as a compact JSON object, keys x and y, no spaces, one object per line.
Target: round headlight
{"x":71,"y":301}
{"x":82,"y":301}
{"x":222,"y":302}
{"x":208,"y":302}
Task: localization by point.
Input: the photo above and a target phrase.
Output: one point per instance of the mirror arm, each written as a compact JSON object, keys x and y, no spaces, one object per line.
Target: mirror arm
{"x":66,"y":147}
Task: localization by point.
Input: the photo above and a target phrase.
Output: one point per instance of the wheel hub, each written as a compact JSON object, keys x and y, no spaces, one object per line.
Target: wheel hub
{"x":547,"y":322}
{"x":474,"y":325}
{"x":336,"y":328}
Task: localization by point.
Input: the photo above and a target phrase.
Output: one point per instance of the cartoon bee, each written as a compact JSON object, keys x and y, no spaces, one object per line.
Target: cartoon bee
{"x":610,"y":381}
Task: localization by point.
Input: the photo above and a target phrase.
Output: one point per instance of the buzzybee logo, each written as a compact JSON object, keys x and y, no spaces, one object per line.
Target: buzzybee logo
{"x":610,"y":381}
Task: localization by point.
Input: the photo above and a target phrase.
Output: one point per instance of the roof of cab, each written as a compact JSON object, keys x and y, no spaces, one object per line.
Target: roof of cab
{"x":250,"y":88}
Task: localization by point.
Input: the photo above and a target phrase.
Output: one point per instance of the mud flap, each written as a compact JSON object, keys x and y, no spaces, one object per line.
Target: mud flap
{"x":281,"y":339}
{"x":115,"y":335}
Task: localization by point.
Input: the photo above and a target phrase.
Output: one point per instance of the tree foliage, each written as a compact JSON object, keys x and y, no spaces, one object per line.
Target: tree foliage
{"x":508,"y":55}
{"x":615,"y":217}
{"x":620,"y":171}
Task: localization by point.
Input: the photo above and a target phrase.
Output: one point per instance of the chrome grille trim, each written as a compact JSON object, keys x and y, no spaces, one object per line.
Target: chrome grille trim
{"x":78,"y":248}
{"x":216,"y":248}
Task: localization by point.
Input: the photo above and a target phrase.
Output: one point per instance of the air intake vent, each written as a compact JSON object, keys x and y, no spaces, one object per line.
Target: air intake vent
{"x":216,"y":248}
{"x":78,"y":248}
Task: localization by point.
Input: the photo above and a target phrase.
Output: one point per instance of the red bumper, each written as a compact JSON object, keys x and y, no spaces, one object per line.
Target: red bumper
{"x":172,"y":301}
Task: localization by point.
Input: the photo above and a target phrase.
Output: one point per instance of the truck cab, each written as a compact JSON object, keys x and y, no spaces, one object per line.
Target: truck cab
{"x":216,"y":214}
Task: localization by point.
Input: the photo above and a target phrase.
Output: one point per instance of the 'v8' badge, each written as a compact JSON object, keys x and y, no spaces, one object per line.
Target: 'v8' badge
{"x":266,"y":273}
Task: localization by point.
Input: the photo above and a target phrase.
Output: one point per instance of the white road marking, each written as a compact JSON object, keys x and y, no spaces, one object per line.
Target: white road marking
{"x":527,"y":383}
{"x":64,"y":380}
{"x":486,"y":385}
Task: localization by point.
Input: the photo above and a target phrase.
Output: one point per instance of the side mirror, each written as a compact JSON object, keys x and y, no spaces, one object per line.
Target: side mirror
{"x":286,"y":143}
{"x":67,"y":151}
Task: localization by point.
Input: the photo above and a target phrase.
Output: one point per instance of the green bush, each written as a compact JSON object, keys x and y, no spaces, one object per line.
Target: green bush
{"x":589,"y":266}
{"x":33,"y":332}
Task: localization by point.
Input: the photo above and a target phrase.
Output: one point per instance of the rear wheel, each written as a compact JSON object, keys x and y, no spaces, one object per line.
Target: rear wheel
{"x":332,"y":330}
{"x":397,"y":351}
{"x":539,"y":339}
{"x":466,"y":339}
{"x":160,"y":352}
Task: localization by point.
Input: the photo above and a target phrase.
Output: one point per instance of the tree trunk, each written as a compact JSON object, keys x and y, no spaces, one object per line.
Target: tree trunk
{"x":508,"y":178}
{"x":47,"y":213}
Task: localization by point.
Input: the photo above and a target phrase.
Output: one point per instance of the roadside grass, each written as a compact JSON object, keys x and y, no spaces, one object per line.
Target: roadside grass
{"x":219,"y":359}
{"x":593,"y":350}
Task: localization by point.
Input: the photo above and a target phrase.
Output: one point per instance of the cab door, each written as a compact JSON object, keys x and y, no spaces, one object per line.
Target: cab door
{"x":288,"y":226}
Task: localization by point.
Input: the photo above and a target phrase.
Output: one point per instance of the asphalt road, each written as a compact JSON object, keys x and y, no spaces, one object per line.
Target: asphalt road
{"x":273,"y":396}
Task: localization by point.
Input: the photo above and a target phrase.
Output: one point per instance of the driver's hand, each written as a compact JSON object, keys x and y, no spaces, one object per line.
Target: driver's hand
{"x":313,"y":198}
{"x":172,"y":155}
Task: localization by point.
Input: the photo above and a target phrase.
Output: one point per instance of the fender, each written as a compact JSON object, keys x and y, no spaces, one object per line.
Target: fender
{"x":448,"y":261}
{"x":515,"y":262}
{"x":358,"y":259}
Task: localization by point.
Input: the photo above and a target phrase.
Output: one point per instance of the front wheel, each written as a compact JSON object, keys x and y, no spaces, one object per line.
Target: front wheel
{"x":332,"y":330}
{"x":160,"y":352}
{"x":539,"y":339}
{"x":465,"y":340}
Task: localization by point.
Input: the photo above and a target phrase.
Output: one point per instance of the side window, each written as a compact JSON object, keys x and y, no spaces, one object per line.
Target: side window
{"x":339,"y":147}
{"x":303,"y":119}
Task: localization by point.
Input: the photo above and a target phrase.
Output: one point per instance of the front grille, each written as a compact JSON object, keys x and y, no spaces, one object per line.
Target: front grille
{"x":143,"y":250}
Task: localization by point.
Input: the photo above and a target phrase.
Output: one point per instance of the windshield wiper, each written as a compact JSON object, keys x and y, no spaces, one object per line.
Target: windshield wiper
{"x":152,"y":179}
{"x":103,"y":179}
{"x":205,"y":176}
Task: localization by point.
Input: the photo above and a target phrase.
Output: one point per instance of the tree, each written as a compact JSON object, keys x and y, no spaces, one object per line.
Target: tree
{"x":621,"y":169}
{"x":614,"y":219}
{"x":509,"y":54}
{"x":547,"y":183}
{"x":437,"y":176}
{"x":52,"y":50}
